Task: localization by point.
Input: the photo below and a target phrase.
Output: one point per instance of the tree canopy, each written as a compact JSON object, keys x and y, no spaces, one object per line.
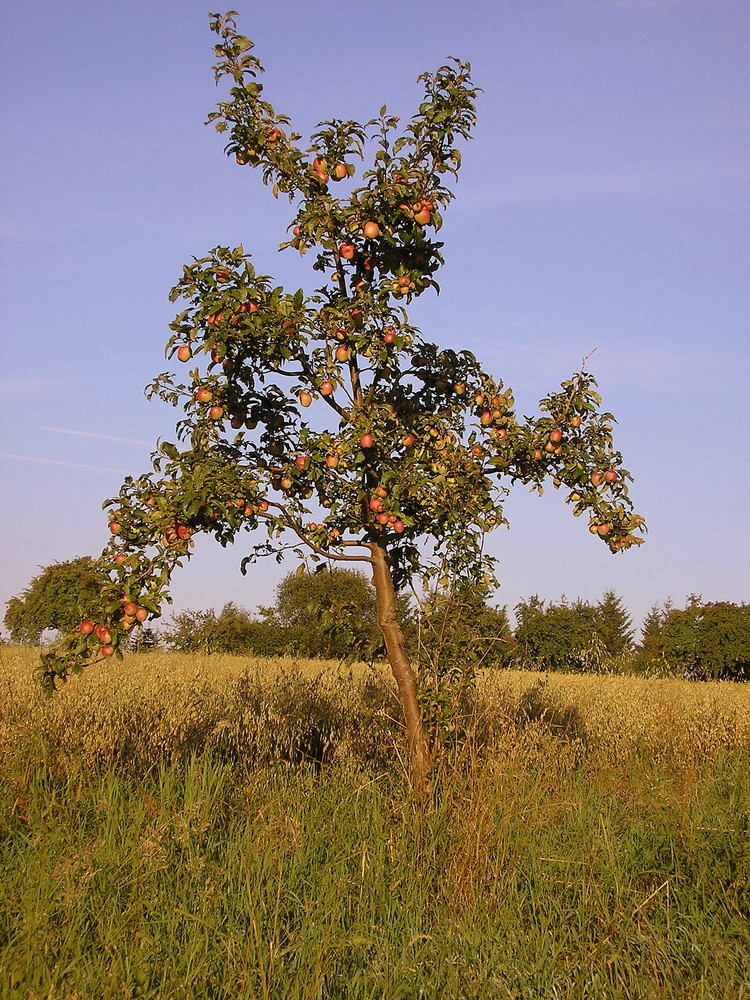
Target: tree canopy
{"x":56,"y":600}
{"x":572,"y":636}
{"x":705,"y":641}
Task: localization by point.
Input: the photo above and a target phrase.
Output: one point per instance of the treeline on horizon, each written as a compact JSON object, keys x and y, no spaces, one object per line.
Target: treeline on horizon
{"x":331,"y":615}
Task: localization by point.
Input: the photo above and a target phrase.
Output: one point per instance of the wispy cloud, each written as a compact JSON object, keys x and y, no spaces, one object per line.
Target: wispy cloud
{"x":66,"y":465}
{"x":96,"y":436}
{"x":28,"y":388}
{"x":667,"y":367}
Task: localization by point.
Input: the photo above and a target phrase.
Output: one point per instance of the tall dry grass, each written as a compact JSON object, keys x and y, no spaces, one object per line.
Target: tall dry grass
{"x":163,"y":834}
{"x":158,"y":707}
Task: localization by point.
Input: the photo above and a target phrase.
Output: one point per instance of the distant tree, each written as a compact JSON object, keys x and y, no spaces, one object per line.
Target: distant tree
{"x":456,"y":631}
{"x":707,"y":641}
{"x":144,"y":640}
{"x":651,"y":633}
{"x":458,"y":624}
{"x":57,"y":599}
{"x":614,"y":625}
{"x":331,"y":613}
{"x":577,"y":636}
{"x":558,"y":637}
{"x":232,"y":631}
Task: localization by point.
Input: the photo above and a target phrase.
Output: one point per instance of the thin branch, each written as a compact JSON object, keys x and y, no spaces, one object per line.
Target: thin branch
{"x":310,"y":544}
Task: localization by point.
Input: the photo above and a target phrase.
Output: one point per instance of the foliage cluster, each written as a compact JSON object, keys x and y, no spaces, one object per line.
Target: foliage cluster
{"x":577,"y":636}
{"x":56,"y":600}
{"x":700,"y":641}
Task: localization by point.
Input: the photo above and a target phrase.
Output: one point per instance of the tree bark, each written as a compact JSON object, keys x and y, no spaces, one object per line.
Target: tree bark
{"x":420,"y":759}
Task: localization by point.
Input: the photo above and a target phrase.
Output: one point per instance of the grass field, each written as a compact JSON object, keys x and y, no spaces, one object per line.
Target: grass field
{"x":181,"y":827}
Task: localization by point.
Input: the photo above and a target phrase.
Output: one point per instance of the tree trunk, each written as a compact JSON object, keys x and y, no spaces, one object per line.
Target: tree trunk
{"x":420,"y":761}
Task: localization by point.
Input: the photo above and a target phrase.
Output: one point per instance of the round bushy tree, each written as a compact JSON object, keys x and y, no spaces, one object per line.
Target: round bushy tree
{"x":56,"y":599}
{"x":325,"y":416}
{"x":331,"y":613}
{"x":708,"y":641}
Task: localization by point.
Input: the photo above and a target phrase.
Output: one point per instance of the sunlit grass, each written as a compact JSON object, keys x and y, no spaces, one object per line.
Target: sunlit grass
{"x":174,"y":827}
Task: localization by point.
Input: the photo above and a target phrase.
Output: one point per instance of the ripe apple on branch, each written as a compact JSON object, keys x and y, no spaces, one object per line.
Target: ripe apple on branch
{"x":412,"y":445}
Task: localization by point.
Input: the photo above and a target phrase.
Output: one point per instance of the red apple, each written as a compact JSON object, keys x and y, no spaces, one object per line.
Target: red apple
{"x":114,"y":527}
{"x":129,"y":608}
{"x":340,"y":171}
{"x":184,"y":353}
{"x":555,"y":435}
{"x":300,"y":461}
{"x":347,"y":251}
{"x":611,"y":476}
{"x":86,"y":627}
{"x":371,"y":230}
{"x":326,"y":388}
{"x":286,"y":483}
{"x":216,"y":412}
{"x":120,"y":558}
{"x":408,"y":441}
{"x":398,"y":526}
{"x":107,"y":650}
{"x":596,"y":478}
{"x":366,"y":441}
{"x":342,"y":354}
{"x":204,"y":395}
{"x":305,"y":398}
{"x":332,"y":461}
{"x":423,"y":217}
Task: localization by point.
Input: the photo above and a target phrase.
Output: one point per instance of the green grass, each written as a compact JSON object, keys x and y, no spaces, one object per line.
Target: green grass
{"x":199,"y":881}
{"x":548,"y":867}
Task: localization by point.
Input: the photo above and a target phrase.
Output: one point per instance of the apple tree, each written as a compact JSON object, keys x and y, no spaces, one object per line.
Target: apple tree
{"x":325,"y":416}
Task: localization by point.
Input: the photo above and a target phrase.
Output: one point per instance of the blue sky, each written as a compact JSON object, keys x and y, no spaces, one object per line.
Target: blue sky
{"x":602,"y":205}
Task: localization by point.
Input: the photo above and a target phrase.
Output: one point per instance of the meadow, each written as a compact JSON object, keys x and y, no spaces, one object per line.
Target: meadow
{"x":177,"y":826}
